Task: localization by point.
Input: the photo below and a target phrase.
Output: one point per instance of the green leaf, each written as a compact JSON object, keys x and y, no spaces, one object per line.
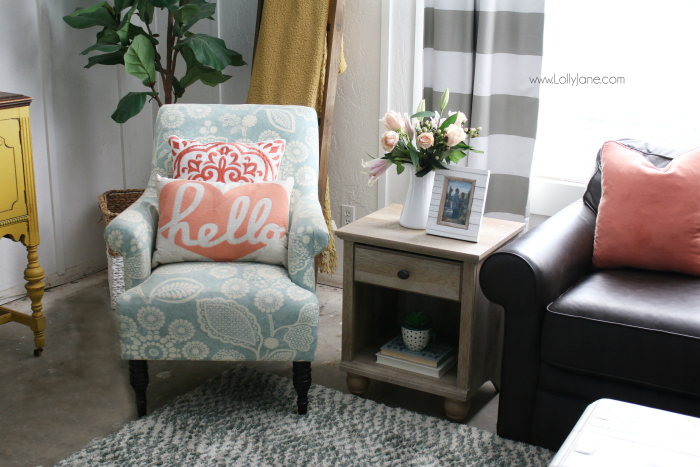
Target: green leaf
{"x":455,"y":156}
{"x":178,"y":90}
{"x":130,"y":105}
{"x":139,"y":60}
{"x":171,"y":5}
{"x":208,"y":76}
{"x":424,"y":171}
{"x":100,"y":14}
{"x":399,"y":168}
{"x":114,"y":58}
{"x":415,"y":155}
{"x":423,"y":114}
{"x":124,"y":26}
{"x":211,"y":51}
{"x":119,"y":5}
{"x":184,"y":14}
{"x":448,"y":121}
{"x":138,"y":31}
{"x":445,"y":99}
{"x":146,"y":11}
{"x":103,"y":47}
{"x":206,"y":10}
{"x":108,"y":36}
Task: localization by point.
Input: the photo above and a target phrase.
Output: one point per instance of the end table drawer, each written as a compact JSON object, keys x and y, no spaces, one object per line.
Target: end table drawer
{"x":409,"y":272}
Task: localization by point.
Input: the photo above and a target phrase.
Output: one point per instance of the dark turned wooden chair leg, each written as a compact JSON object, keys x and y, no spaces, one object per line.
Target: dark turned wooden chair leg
{"x":302,"y":382}
{"x":138,"y":377}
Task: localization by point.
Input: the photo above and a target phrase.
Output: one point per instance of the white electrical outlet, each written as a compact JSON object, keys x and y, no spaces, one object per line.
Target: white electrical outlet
{"x":347,"y":214}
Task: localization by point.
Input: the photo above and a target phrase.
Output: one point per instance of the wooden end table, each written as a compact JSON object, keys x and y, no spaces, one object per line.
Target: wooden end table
{"x":439,"y":276}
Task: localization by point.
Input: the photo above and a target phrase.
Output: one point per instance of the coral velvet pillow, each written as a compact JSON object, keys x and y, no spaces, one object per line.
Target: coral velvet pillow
{"x":226,"y":162}
{"x":210,"y":221}
{"x":648,"y":217}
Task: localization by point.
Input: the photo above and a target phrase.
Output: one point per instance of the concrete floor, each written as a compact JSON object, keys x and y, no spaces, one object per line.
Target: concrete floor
{"x":78,"y":389}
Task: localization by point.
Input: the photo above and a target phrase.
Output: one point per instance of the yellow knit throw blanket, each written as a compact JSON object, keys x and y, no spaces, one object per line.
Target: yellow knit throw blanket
{"x":289,"y":69}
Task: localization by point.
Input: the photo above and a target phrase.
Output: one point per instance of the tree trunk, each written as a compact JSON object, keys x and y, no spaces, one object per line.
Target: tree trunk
{"x":169,"y":72}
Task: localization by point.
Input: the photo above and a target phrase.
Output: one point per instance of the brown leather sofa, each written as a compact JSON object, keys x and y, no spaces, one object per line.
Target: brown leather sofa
{"x":574,"y":334}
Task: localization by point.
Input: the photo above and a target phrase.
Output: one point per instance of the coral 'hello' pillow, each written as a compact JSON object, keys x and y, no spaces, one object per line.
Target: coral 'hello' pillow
{"x":648,"y":217}
{"x":211,"y":221}
{"x":226,"y":162}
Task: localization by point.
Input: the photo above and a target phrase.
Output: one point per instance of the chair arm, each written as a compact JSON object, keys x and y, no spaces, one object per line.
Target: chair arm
{"x":524,"y":277}
{"x":308,"y":237}
{"x":132,"y":235}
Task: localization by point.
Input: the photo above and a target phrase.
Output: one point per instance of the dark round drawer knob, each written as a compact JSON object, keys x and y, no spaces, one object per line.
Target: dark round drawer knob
{"x":403,"y":274}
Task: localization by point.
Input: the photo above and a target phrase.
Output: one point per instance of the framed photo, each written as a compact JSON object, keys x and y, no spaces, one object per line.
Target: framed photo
{"x":457,"y":203}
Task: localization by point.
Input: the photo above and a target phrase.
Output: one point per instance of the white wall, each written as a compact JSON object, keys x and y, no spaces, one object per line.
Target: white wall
{"x":79,"y":152}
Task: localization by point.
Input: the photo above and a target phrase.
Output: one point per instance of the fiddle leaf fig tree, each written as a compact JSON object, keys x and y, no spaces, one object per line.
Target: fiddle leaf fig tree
{"x":121,"y":42}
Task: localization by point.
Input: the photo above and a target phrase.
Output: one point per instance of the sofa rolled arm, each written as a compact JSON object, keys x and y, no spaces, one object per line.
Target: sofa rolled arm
{"x":524,"y":277}
{"x":308,"y":237}
{"x":132,"y":235}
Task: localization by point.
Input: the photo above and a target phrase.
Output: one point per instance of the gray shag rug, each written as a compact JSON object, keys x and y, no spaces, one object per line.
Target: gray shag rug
{"x":247,"y":417}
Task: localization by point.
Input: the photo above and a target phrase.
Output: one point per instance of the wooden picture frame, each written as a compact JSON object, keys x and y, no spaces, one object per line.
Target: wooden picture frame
{"x":457,"y":203}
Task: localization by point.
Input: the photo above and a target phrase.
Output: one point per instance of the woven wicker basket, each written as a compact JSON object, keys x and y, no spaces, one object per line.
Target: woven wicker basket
{"x":112,"y":203}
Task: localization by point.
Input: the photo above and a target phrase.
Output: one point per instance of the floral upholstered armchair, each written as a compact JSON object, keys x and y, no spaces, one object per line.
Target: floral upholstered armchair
{"x":224,"y":311}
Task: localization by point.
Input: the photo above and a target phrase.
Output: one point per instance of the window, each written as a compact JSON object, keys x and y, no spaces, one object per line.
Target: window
{"x":647,"y":51}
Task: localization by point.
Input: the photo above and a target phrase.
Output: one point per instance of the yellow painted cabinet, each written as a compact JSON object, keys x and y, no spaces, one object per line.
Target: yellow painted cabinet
{"x":18,"y":213}
{"x":12,"y":199}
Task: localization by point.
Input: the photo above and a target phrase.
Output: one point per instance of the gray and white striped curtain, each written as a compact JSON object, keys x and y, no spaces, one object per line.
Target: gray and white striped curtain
{"x":486,"y":51}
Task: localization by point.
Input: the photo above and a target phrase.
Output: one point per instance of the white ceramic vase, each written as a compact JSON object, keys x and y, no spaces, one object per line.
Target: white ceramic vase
{"x":417,"y":205}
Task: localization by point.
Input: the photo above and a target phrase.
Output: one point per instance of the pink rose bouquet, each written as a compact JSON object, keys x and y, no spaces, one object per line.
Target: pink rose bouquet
{"x":424,"y":140}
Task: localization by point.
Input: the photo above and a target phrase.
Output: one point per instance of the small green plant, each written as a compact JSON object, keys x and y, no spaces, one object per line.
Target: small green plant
{"x":123,"y":42}
{"x":416,"y":320}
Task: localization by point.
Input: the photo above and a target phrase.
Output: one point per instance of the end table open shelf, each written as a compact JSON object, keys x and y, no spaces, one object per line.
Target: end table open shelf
{"x":442,"y":281}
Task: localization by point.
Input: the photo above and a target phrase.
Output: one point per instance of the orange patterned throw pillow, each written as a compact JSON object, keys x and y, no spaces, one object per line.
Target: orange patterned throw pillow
{"x":226,"y":162}
{"x":211,"y":221}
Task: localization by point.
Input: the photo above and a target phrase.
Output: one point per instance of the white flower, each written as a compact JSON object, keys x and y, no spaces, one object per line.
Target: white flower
{"x":269,"y":300}
{"x":150,"y":318}
{"x":153,"y":351}
{"x":297,"y":293}
{"x":375,"y":168}
{"x":461,"y":118}
{"x":296,"y":194}
{"x":230,"y":120}
{"x":127,"y":326}
{"x":305,"y":176}
{"x":299,"y":338}
{"x":171,"y":117}
{"x":425,"y":140}
{"x":222,"y":272}
{"x":389,"y":140}
{"x":235,"y":288}
{"x":115,"y":239}
{"x":296,"y":151}
{"x":268,"y":135}
{"x":271,"y":343}
{"x":309,"y":278}
{"x":455,"y":135}
{"x":392,"y":121}
{"x":181,"y":330}
{"x":228,"y":355}
{"x":198,"y":111}
{"x":249,"y":120}
{"x":195,"y":350}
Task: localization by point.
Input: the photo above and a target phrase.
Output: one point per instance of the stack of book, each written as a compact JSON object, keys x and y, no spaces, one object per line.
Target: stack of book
{"x":435,"y":360}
